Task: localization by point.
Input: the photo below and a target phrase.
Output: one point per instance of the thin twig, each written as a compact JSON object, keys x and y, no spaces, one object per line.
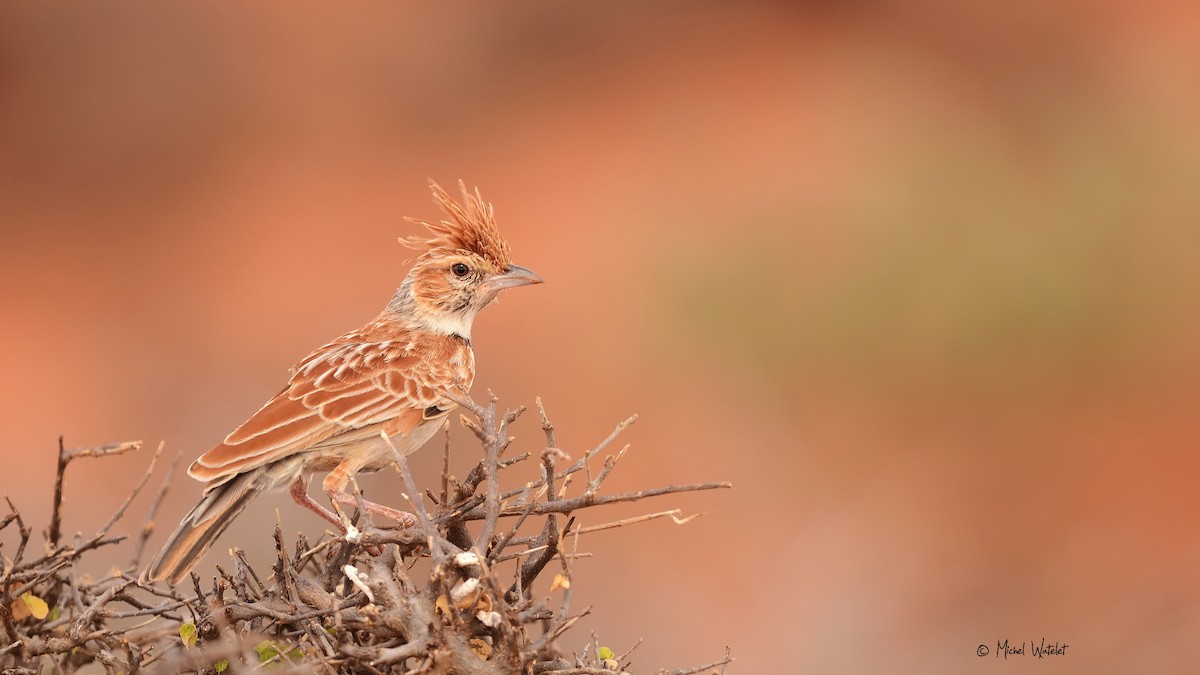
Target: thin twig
{"x":56,"y":506}
{"x":148,"y":524}
{"x":582,"y":501}
{"x":708,"y":666}
{"x":445,"y":464}
{"x":427,"y":527}
{"x":673,"y":514}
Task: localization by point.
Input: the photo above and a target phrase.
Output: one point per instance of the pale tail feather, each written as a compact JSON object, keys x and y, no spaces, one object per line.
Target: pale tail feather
{"x":202,"y":525}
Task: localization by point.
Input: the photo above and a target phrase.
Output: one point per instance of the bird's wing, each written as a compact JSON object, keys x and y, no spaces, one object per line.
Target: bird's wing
{"x":337,"y":390}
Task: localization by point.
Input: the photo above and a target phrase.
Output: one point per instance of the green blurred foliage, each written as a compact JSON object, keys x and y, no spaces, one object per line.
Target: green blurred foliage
{"x":973,"y":271}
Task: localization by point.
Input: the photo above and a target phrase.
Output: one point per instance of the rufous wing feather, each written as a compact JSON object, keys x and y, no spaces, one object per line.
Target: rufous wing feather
{"x":338,"y":390}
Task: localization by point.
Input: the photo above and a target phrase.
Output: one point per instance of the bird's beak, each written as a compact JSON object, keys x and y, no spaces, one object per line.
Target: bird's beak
{"x":515,"y":276}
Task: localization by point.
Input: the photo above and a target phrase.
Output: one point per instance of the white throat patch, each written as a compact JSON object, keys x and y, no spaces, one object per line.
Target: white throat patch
{"x":451,"y":324}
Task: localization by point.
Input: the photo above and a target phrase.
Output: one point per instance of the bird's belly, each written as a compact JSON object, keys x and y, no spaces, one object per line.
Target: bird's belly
{"x":366,"y":448}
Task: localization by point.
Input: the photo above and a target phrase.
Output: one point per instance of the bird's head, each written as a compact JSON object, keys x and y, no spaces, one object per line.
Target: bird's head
{"x":465,"y":263}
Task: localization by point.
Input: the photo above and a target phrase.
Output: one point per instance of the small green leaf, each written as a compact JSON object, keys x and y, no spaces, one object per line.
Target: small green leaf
{"x":221,"y":666}
{"x":55,"y":612}
{"x":266,"y":650}
{"x":605,"y":653}
{"x":187,"y":633}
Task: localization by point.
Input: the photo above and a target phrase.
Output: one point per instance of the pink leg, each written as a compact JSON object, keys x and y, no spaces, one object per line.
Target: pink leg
{"x":335,"y":487}
{"x":299,"y":492}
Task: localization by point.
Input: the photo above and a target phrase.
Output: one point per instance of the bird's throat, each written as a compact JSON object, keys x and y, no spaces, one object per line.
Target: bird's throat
{"x":448,"y":323}
{"x":419,"y":316}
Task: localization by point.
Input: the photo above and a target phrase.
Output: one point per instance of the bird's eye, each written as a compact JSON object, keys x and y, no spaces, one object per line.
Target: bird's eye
{"x":460,"y":270}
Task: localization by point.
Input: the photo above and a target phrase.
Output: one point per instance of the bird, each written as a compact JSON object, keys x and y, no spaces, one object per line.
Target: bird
{"x":399,"y":374}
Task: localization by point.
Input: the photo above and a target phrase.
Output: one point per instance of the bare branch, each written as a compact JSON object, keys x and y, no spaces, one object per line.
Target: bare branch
{"x":428,"y":598}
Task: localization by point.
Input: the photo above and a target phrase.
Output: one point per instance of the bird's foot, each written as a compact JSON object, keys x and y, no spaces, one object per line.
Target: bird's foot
{"x":403,"y":519}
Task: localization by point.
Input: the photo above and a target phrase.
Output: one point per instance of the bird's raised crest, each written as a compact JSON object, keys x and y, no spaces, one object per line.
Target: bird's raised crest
{"x":469,"y":227}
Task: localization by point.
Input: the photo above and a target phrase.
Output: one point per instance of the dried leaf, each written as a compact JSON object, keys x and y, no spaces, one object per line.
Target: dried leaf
{"x":560,"y":581}
{"x":481,"y":648}
{"x":443,"y":606}
{"x":19,"y":609}
{"x":37,"y":606}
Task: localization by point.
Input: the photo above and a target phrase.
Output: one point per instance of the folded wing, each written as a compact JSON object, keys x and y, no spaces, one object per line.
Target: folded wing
{"x":338,"y":390}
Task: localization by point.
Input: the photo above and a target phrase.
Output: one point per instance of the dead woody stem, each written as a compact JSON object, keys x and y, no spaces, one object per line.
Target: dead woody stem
{"x":461,"y":592}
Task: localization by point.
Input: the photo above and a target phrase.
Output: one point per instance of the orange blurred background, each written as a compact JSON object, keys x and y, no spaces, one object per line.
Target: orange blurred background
{"x":918,"y":278}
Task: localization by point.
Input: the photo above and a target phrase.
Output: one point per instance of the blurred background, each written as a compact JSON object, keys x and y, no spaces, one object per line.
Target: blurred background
{"x":919,"y":278}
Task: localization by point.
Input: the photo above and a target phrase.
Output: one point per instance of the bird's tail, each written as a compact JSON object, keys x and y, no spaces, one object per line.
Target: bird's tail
{"x":202,"y":525}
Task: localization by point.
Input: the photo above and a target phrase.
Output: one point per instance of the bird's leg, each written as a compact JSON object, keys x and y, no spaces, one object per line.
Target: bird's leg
{"x":335,"y":487}
{"x":299,"y":492}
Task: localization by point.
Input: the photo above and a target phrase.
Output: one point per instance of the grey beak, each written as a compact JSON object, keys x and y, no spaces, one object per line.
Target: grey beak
{"x":514,"y":276}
